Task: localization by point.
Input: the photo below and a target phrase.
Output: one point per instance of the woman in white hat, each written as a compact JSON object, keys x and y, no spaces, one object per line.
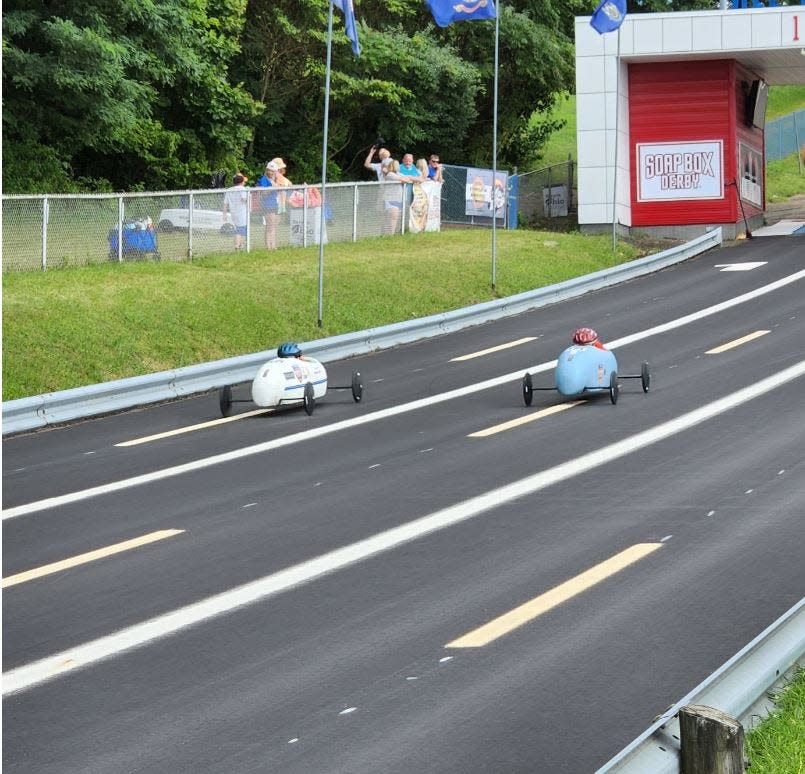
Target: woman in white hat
{"x":270,"y":204}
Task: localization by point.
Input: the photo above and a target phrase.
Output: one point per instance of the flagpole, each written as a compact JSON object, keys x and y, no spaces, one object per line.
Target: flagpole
{"x":324,"y":160}
{"x":495,"y":154}
{"x":615,"y":176}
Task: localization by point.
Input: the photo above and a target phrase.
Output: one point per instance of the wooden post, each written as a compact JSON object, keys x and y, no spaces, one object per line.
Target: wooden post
{"x":712,"y":742}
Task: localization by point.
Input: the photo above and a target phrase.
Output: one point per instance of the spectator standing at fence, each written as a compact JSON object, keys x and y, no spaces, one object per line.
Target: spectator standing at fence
{"x":281,"y":179}
{"x":435,"y":169}
{"x":422,"y":168}
{"x":376,"y":167}
{"x":281,"y":182}
{"x":392,"y":194}
{"x":408,"y":169}
{"x":270,"y":204}
{"x":236,"y":204}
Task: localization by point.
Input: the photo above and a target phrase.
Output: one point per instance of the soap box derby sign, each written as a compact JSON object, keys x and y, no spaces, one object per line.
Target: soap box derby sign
{"x":680,"y":170}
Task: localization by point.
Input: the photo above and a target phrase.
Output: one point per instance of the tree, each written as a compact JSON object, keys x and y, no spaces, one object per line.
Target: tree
{"x":121,"y":92}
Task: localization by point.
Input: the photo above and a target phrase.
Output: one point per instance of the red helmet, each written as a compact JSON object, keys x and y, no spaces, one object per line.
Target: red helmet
{"x":585,"y":336}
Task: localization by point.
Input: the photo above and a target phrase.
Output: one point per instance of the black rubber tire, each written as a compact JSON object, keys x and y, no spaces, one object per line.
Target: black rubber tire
{"x":614,"y":389}
{"x":309,"y":399}
{"x":645,"y":376}
{"x":225,"y":400}
{"x":165,"y":226}
{"x":357,"y":387}
{"x":528,"y":389}
{"x":227,"y":229}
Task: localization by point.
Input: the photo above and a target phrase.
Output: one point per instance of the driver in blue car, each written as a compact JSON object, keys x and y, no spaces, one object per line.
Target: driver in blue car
{"x":587,"y":337}
{"x":289,"y":350}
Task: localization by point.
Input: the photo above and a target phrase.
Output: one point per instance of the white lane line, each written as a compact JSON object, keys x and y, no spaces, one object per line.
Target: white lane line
{"x":431,"y":400}
{"x":498,"y":348}
{"x":546,"y":412}
{"x":528,"y":611}
{"x":746,"y":266}
{"x":89,"y":556}
{"x":140,"y":634}
{"x":191,"y":428}
{"x":736,"y":343}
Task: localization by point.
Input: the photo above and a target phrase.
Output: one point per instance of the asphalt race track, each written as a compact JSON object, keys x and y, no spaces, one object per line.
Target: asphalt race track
{"x":376,"y":589}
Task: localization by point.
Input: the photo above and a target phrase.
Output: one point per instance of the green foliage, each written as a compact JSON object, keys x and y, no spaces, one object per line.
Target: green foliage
{"x":777,"y":745}
{"x":122,"y":92}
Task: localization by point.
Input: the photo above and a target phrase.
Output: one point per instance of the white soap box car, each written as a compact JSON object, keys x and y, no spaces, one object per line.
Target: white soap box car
{"x":289,"y":380}
{"x":205,"y":220}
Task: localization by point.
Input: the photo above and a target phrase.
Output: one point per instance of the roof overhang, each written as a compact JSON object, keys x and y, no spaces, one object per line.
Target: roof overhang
{"x":768,"y":41}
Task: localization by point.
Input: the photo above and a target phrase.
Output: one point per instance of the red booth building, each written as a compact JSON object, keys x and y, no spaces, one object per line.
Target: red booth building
{"x":670,"y":116}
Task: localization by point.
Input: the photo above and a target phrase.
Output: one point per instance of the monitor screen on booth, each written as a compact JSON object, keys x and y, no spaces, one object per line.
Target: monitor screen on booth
{"x":756,"y":104}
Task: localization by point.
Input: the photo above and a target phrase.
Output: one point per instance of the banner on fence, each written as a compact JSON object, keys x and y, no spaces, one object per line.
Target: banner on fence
{"x":425,"y":213}
{"x":478,"y":196}
{"x":555,"y":199}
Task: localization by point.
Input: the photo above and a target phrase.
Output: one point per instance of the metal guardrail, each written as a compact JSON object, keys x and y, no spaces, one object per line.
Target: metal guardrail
{"x":737,"y":688}
{"x":93,"y":400}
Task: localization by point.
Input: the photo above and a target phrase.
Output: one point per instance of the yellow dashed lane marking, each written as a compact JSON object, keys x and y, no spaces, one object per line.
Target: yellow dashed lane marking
{"x":736,"y":343}
{"x":528,"y":611}
{"x":90,"y":556}
{"x":489,"y":351}
{"x":524,"y":420}
{"x":190,"y":428}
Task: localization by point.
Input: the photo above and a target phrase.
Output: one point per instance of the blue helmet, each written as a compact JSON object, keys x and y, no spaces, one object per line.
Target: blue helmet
{"x":289,"y":349}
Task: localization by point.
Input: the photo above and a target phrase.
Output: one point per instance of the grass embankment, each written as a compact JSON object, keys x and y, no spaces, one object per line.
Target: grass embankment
{"x":72,"y":327}
{"x":777,"y":746}
{"x":784,"y":100}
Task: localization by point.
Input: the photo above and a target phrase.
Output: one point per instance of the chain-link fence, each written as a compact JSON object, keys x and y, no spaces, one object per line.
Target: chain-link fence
{"x":785,"y":135}
{"x":64,"y":230}
{"x":547,"y":195}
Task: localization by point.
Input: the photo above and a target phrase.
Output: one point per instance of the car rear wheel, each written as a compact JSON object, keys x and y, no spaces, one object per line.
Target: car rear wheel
{"x":357,"y":387}
{"x":227,"y":229}
{"x":614,"y":389}
{"x":528,"y":389}
{"x":309,"y":399}
{"x":225,"y":400}
{"x":165,"y":226}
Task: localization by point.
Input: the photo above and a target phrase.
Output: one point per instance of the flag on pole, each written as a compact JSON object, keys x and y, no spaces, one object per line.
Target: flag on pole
{"x":345,"y":6}
{"x":445,"y":12}
{"x":608,"y":16}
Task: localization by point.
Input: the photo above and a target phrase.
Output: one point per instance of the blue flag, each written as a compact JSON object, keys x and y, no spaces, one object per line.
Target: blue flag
{"x":608,"y":16}
{"x":345,"y":6}
{"x":446,"y":12}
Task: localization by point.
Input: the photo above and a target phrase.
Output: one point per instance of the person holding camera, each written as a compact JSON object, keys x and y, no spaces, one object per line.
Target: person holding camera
{"x":382,"y":154}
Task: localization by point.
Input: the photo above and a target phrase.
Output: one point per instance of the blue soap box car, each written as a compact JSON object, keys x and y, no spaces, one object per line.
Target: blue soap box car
{"x":586,"y":369}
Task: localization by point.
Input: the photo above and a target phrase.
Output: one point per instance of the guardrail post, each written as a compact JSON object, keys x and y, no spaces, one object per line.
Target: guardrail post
{"x":45,"y":217}
{"x":711,"y":741}
{"x":120,"y":229}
